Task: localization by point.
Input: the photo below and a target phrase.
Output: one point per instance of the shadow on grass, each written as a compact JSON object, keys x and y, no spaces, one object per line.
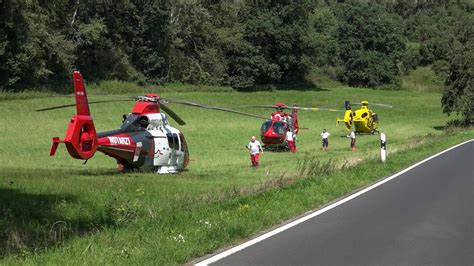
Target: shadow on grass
{"x":278,"y":150}
{"x":439,"y":128}
{"x":59,"y":172}
{"x":297,"y":86}
{"x":33,"y":222}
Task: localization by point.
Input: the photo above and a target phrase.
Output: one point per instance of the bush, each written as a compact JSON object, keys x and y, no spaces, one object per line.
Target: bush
{"x":458,"y":95}
{"x":369,"y":68}
{"x":371,"y":45}
{"x":411,"y":58}
{"x":441,"y":68}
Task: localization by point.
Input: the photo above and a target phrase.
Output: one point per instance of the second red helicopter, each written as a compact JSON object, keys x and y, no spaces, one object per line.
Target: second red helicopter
{"x":273,"y":130}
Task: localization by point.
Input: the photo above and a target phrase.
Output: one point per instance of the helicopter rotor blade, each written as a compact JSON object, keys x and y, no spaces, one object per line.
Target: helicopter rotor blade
{"x":172,"y":114}
{"x":71,"y":105}
{"x":165,"y":108}
{"x":263,"y":106}
{"x":315,"y":109}
{"x":376,"y":104}
{"x":291,"y":107}
{"x":167,"y":100}
{"x":93,"y":95}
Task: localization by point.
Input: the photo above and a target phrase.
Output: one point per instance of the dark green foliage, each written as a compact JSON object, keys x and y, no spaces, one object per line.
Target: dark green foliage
{"x":439,"y":29}
{"x":369,"y":68}
{"x":33,"y":46}
{"x":458,"y":95}
{"x":411,"y":58}
{"x":323,"y":30}
{"x":98,"y":58}
{"x":194,"y":56}
{"x":122,"y":40}
{"x":238,"y":43}
{"x":370,"y":46}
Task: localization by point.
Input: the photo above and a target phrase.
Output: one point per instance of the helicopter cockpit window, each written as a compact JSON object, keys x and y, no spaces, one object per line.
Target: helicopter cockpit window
{"x":266,"y":126}
{"x":169,"y":136}
{"x":279,"y":127}
{"x":173,"y":141}
{"x":364,"y":115}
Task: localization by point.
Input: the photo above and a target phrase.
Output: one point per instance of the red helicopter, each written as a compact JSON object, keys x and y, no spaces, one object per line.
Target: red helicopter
{"x":273,"y":130}
{"x":145,"y":139}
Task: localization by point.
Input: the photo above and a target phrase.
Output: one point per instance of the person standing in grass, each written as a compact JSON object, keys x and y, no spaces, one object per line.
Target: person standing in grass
{"x":254,"y":147}
{"x":325,"y":140}
{"x":353,"y":140}
{"x":290,"y":138}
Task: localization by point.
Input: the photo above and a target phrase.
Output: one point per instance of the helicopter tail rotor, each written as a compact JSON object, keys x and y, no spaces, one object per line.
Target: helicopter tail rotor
{"x":81,"y":137}
{"x":348,"y":118}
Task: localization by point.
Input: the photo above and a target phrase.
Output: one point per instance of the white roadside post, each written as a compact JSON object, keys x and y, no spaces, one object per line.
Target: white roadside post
{"x":383,"y":147}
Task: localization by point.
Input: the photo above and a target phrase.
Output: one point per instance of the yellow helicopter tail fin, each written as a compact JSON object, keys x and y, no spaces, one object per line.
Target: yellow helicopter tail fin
{"x":347,"y":119}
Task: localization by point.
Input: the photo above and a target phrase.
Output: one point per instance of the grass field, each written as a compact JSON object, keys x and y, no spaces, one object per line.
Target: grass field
{"x":57,"y":209}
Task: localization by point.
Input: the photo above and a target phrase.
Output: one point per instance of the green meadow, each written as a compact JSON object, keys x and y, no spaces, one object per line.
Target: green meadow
{"x":57,"y":209}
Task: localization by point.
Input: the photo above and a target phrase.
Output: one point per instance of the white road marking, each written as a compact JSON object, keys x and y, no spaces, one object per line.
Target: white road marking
{"x":278,"y":230}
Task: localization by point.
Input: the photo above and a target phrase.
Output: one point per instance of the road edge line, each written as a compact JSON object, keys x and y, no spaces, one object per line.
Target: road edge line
{"x":313,"y":214}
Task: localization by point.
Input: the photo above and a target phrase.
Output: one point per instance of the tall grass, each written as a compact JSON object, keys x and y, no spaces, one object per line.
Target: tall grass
{"x":422,"y":79}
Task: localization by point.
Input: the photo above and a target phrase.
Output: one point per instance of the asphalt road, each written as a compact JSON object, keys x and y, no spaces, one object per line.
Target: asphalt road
{"x":423,"y":217}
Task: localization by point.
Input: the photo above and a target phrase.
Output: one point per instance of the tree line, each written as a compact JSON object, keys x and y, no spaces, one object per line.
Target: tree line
{"x":241,"y":43}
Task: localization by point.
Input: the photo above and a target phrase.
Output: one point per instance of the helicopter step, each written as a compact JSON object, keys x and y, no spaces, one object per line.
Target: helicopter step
{"x":167,"y":169}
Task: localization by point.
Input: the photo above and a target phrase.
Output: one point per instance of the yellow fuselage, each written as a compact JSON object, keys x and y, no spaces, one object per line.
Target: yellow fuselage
{"x":362,"y":119}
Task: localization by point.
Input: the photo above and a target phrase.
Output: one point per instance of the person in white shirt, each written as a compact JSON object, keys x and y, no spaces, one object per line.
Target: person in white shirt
{"x":353,"y":141}
{"x":325,"y":139}
{"x":254,"y":147}
{"x":290,"y":139}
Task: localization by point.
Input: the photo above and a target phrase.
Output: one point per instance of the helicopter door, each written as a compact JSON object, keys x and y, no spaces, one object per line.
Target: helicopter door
{"x":180,"y":149}
{"x":176,"y":155}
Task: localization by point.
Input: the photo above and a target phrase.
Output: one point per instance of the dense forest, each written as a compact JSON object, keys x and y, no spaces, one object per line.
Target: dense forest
{"x":240,"y":43}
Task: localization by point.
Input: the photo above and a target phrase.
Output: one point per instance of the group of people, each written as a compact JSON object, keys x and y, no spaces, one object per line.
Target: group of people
{"x":256,"y":148}
{"x":325,"y":140}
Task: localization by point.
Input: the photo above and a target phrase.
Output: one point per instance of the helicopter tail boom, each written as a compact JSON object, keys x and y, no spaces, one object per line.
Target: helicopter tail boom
{"x":347,"y":119}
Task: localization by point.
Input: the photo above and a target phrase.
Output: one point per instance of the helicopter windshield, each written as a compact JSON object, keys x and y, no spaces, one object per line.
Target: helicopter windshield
{"x":279,"y":128}
{"x":266,"y":126}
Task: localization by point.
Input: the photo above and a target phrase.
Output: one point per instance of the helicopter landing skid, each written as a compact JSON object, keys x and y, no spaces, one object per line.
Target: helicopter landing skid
{"x":172,"y":169}
{"x":277,"y":148}
{"x":368,"y":134}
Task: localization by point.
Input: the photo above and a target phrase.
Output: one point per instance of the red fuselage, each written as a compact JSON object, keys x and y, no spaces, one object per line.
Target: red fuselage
{"x":273,"y":132}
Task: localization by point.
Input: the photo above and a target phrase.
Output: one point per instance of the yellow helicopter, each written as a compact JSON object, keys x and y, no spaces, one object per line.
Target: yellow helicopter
{"x":364,"y":120}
